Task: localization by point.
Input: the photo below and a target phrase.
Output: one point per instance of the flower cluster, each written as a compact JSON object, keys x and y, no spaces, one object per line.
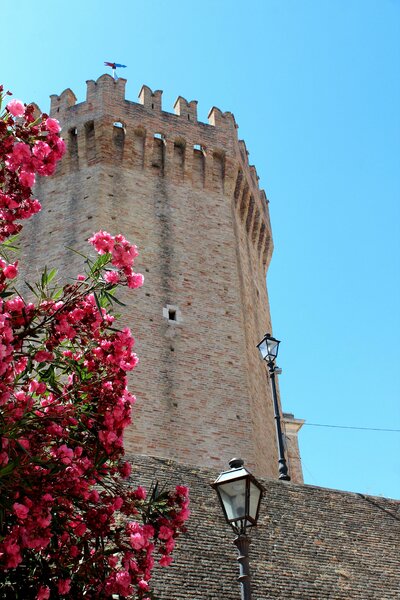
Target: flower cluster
{"x":123,"y":255}
{"x":70,"y":526}
{"x":28,"y":146}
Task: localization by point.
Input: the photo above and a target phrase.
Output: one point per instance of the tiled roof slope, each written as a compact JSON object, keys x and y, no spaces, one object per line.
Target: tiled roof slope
{"x":311,"y":543}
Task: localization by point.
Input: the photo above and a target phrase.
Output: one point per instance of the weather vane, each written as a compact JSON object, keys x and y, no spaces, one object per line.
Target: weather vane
{"x":114,"y":67}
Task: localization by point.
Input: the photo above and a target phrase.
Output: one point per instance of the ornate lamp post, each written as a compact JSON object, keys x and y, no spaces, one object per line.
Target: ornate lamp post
{"x":240,"y":495}
{"x":268,"y":348}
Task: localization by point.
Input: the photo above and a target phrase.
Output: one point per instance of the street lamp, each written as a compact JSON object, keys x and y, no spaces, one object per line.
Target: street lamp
{"x":268,"y":348}
{"x":240,"y":494}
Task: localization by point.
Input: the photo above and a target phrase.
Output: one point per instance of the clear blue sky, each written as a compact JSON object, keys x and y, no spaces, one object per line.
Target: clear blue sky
{"x":314,"y":86}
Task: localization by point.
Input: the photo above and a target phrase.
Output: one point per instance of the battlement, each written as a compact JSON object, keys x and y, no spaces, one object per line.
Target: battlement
{"x":107,"y":128}
{"x":107,"y":91}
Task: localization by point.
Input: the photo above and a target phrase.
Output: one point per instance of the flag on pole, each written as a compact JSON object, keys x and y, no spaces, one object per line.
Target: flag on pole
{"x":114,"y":67}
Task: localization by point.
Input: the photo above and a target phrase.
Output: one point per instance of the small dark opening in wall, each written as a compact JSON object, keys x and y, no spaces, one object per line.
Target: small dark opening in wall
{"x":188,"y":117}
{"x":171,"y":314}
{"x":152,"y":106}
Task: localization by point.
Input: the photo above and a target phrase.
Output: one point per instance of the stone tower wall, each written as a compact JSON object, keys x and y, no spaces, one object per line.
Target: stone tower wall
{"x":184,"y":192}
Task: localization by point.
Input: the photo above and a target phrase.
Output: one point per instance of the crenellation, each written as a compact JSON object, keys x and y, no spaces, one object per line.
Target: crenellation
{"x":225,"y":120}
{"x":185,"y":109}
{"x":149,"y":99}
{"x":60,"y":104}
{"x":105,"y":90}
{"x":111,"y":125}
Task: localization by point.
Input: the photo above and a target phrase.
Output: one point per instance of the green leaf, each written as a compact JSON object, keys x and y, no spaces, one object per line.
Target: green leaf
{"x":76,"y":252}
{"x":7,"y":469}
{"x":112,"y":299}
{"x":44,"y":278}
{"x":51,"y":275}
{"x":98,"y":303}
{"x":28,"y":285}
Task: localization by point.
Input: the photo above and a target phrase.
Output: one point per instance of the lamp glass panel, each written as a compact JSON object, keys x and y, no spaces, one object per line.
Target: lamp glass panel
{"x":232,"y":475}
{"x":255,"y":496}
{"x":263,"y":348}
{"x":272,"y":347}
{"x":233,"y":496}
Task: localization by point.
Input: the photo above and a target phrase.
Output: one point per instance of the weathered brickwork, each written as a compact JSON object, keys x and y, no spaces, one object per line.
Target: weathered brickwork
{"x":185,"y":193}
{"x":310,"y":544}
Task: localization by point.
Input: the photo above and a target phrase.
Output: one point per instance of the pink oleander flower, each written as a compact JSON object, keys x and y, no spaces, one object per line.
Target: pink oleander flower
{"x":143,"y":585}
{"x":27,"y":178}
{"x":170,"y":545}
{"x":125,"y":470}
{"x":135,"y":280}
{"x":21,"y":153}
{"x":165,"y":533}
{"x":102,"y":241}
{"x":11,"y":271}
{"x":60,"y":148}
{"x":165,"y":560}
{"x":52,"y":125}
{"x":21,"y":364}
{"x":16,"y":108}
{"x":20,"y":510}
{"x":43,"y":356}
{"x":65,"y":454}
{"x":43,"y":593}
{"x":137,"y":541}
{"x":41,"y":150}
{"x":140,"y":493}
{"x":63,"y":586}
{"x":111,"y":277}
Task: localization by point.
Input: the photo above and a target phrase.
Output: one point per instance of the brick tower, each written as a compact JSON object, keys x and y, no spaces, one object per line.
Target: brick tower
{"x":184,"y":192}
